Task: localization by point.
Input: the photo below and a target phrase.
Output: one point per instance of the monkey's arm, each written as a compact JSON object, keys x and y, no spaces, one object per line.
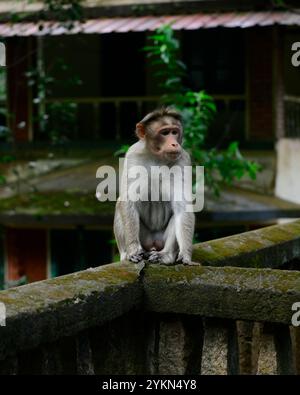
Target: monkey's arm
{"x":130,"y":231}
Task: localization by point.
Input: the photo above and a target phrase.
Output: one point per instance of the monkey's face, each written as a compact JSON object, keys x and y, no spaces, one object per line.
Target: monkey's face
{"x":163,"y":139}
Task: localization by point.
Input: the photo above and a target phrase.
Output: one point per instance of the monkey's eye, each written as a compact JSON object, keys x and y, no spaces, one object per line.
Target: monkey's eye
{"x":174,"y":132}
{"x":165,"y":132}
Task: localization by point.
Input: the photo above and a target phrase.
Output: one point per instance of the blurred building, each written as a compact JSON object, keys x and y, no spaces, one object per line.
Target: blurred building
{"x":239,"y":51}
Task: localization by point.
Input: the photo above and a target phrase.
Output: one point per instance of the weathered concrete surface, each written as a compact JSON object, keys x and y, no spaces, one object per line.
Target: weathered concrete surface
{"x":18,"y":172}
{"x":295,"y":338}
{"x":171,"y":355}
{"x":267,"y":247}
{"x":248,"y":346}
{"x":84,"y":355}
{"x":119,"y":346}
{"x":47,"y":310}
{"x":267,"y":362}
{"x":224,"y":292}
{"x":215,"y":351}
{"x":288,"y":168}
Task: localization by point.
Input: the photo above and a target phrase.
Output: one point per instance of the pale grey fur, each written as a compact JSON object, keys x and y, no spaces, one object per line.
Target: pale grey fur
{"x":139,"y":223}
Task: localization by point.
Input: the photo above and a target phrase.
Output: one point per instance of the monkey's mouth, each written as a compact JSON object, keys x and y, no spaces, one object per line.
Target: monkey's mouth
{"x":173,"y":154}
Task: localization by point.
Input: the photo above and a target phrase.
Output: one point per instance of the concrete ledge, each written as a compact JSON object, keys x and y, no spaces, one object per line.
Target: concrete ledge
{"x":47,"y":310}
{"x":267,"y":247}
{"x":225,"y":292}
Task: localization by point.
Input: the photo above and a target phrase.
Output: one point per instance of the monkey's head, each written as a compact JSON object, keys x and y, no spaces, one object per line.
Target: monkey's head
{"x":162,"y":132}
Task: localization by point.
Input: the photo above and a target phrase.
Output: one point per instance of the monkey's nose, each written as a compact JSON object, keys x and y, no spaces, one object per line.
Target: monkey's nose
{"x":174,"y":144}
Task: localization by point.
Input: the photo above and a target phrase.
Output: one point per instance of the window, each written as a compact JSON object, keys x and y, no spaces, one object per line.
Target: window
{"x":215,"y":60}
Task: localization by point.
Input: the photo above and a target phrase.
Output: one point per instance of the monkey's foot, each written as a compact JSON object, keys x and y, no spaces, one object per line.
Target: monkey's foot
{"x":135,"y":258}
{"x":161,"y":257}
{"x":154,"y":257}
{"x":185,"y":260}
{"x":146,"y":255}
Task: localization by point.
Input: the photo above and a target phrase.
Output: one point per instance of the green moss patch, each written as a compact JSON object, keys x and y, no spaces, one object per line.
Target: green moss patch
{"x":55,"y":203}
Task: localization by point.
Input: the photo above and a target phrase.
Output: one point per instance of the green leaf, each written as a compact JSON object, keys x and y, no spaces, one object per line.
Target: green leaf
{"x":122,"y":150}
{"x":198,"y":110}
{"x":233,"y":147}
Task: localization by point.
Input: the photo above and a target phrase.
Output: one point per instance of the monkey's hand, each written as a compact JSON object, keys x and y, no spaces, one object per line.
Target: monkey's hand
{"x":166,"y":258}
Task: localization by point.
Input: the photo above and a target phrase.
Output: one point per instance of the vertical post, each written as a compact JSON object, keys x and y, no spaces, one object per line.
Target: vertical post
{"x":17,"y":88}
{"x":51,"y":359}
{"x":248,"y":346}
{"x":96,"y":120}
{"x":2,"y":257}
{"x":171,"y":355}
{"x":54,"y":269}
{"x":295,"y":338}
{"x":29,"y":103}
{"x":118,"y":120}
{"x":278,"y":83}
{"x":284,"y":353}
{"x":247,"y":87}
{"x":139,"y":106}
{"x":259,"y":85}
{"x":84,"y":358}
{"x":48,"y":254}
{"x":267,"y":356}
{"x":41,"y":92}
{"x":215,"y":348}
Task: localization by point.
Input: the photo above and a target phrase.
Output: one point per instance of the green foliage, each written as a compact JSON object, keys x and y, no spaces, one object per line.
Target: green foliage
{"x":5,"y":159}
{"x":122,"y":150}
{"x":67,"y":12}
{"x":224,"y":167}
{"x":5,"y":132}
{"x":279,"y":3}
{"x":198,"y":110}
{"x":2,"y":83}
{"x":164,"y":53}
{"x":62,"y":122}
{"x":56,"y":120}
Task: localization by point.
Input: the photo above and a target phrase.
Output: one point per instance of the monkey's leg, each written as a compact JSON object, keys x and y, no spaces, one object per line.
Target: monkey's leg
{"x":168,"y":254}
{"x":184,"y":228}
{"x":119,"y":233}
{"x":131,"y":229}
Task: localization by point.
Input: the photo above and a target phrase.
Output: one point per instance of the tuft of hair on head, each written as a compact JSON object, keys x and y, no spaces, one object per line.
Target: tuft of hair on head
{"x":160,"y":113}
{"x":155,"y":115}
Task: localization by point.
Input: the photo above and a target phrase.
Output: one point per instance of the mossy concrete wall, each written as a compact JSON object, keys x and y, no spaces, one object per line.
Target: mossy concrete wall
{"x":271,"y":247}
{"x":225,"y":292}
{"x":50,"y":310}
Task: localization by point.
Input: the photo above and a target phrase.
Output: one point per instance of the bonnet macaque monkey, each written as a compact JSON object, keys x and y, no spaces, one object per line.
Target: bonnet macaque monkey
{"x":159,"y":231}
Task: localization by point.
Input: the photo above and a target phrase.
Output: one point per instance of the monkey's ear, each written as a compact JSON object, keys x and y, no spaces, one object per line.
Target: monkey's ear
{"x":140,"y":130}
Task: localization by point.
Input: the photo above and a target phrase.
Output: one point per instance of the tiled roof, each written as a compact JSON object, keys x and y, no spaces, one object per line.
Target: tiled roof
{"x":150,"y":23}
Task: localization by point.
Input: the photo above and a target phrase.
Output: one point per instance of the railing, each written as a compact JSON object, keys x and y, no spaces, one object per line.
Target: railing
{"x":115,"y":117}
{"x":110,"y":113}
{"x":133,"y":319}
{"x":292,"y":116}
